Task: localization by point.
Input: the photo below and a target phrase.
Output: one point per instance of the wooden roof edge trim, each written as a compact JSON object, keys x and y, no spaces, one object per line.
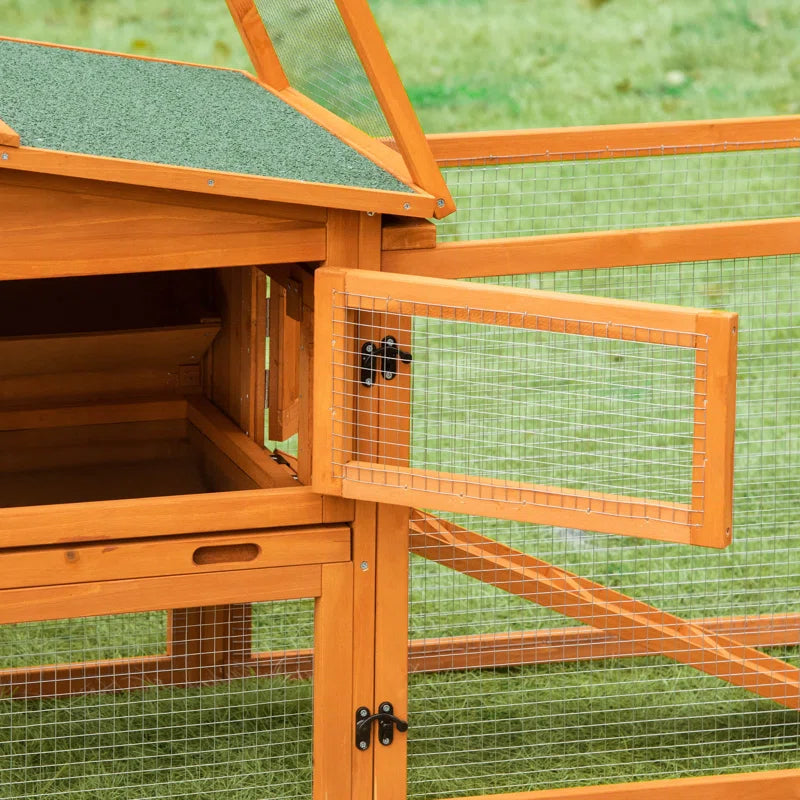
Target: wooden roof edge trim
{"x":211,"y":182}
{"x":98,"y":52}
{"x":599,"y":249}
{"x":8,"y":136}
{"x":391,"y":94}
{"x":593,"y":141}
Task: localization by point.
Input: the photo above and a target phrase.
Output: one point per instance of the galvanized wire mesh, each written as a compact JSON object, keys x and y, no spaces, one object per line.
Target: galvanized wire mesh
{"x":135,"y":711}
{"x":320,"y":61}
{"x":612,"y":189}
{"x":513,"y":400}
{"x":556,"y":703}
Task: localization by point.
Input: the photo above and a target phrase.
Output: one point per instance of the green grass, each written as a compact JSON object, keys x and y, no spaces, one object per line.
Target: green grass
{"x":476,"y":65}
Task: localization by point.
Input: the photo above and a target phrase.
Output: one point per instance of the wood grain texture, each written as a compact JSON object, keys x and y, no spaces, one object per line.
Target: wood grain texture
{"x":767,"y":785}
{"x":243,"y":550}
{"x":228,"y":184}
{"x":256,"y":41}
{"x":598,"y":250}
{"x":156,"y":594}
{"x":8,"y":136}
{"x":53,"y":233}
{"x":243,"y":451}
{"x":97,"y":352}
{"x":595,"y":141}
{"x":163,"y":516}
{"x":393,"y":100}
{"x":404,"y":234}
{"x":284,"y":361}
{"x":333,"y":694}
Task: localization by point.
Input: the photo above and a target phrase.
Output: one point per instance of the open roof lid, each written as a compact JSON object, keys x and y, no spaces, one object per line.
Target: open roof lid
{"x":329,"y":56}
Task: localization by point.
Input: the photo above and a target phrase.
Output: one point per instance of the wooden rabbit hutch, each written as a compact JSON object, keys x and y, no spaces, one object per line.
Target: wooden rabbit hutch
{"x":487,"y":545}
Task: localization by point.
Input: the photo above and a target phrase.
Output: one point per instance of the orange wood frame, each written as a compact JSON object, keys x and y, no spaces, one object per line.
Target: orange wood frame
{"x":8,"y":136}
{"x":711,"y":334}
{"x":614,"y":141}
{"x":767,"y":785}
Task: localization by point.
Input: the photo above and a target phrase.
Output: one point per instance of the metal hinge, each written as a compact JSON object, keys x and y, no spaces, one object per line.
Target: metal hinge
{"x":389,"y":352}
{"x":386,"y":720}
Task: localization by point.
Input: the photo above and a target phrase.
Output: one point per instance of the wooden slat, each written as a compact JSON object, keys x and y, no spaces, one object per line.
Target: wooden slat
{"x":404,"y":234}
{"x":565,"y":645}
{"x":98,"y":414}
{"x":257,"y":43}
{"x":714,"y":431}
{"x":391,"y":644}
{"x":545,"y":144}
{"x":243,"y":550}
{"x":767,"y":785}
{"x":284,"y":360}
{"x":487,"y":304}
{"x":155,"y":594}
{"x":522,"y":575}
{"x":229,"y":184}
{"x":448,"y":653}
{"x":334,"y":713}
{"x":8,"y":136}
{"x":49,"y":233}
{"x":464,"y":494}
{"x":597,"y":250}
{"x":393,"y":100}
{"x":163,"y":516}
{"x":256,"y":386}
{"x":91,"y":352}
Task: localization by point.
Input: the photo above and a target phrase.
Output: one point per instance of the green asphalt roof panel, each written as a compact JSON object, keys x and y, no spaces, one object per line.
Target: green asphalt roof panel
{"x":211,"y":119}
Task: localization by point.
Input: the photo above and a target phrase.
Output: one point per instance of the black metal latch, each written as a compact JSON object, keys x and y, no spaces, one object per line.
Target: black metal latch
{"x":389,"y":352}
{"x":386,"y":725}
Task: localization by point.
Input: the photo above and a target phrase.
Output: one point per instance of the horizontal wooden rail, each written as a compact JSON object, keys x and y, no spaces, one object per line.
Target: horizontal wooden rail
{"x":598,"y":250}
{"x":444,"y":654}
{"x":605,"y":141}
{"x":767,"y":785}
{"x":520,"y":574}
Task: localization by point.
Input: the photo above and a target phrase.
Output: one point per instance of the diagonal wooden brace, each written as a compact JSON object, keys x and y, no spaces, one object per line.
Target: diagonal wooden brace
{"x":605,"y":609}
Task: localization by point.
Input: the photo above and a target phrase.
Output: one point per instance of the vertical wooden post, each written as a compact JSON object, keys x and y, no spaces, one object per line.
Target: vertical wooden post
{"x":391,"y":646}
{"x":334,"y":717}
{"x":284,"y":349}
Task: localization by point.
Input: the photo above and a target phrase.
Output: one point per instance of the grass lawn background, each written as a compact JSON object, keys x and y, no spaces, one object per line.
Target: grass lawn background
{"x":472,"y":65}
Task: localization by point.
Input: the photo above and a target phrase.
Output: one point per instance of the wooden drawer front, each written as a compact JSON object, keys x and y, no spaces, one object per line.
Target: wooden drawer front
{"x":183,"y":555}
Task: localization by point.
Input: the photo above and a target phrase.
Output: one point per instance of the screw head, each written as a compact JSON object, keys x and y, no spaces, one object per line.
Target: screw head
{"x":440,"y":202}
{"x":362,"y":745}
{"x":368,"y":382}
{"x":363,"y":712}
{"x":364,"y":566}
{"x":386,"y":708}
{"x":407,"y":206}
{"x":210,"y":181}
{"x":4,"y":156}
{"x":385,"y":741}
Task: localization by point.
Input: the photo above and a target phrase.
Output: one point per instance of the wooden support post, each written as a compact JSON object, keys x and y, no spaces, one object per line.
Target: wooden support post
{"x":333,"y":697}
{"x":284,"y":350}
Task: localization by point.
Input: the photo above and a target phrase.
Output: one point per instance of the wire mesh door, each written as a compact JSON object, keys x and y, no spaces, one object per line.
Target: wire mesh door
{"x":599,"y":415}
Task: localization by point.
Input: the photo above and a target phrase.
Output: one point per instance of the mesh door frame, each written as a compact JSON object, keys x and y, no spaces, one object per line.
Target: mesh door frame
{"x":712,"y":468}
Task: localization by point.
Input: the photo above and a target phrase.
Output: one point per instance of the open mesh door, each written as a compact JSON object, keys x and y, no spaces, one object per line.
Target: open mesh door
{"x":598,"y":415}
{"x":332,"y":53}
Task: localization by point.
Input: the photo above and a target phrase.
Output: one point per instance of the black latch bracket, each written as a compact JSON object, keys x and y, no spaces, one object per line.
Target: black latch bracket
{"x":390,"y":354}
{"x":387,"y":722}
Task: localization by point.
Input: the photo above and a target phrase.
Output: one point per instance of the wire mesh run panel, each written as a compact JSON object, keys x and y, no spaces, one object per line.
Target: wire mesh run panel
{"x":199,"y":702}
{"x":538,"y":407}
{"x":515,"y":690}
